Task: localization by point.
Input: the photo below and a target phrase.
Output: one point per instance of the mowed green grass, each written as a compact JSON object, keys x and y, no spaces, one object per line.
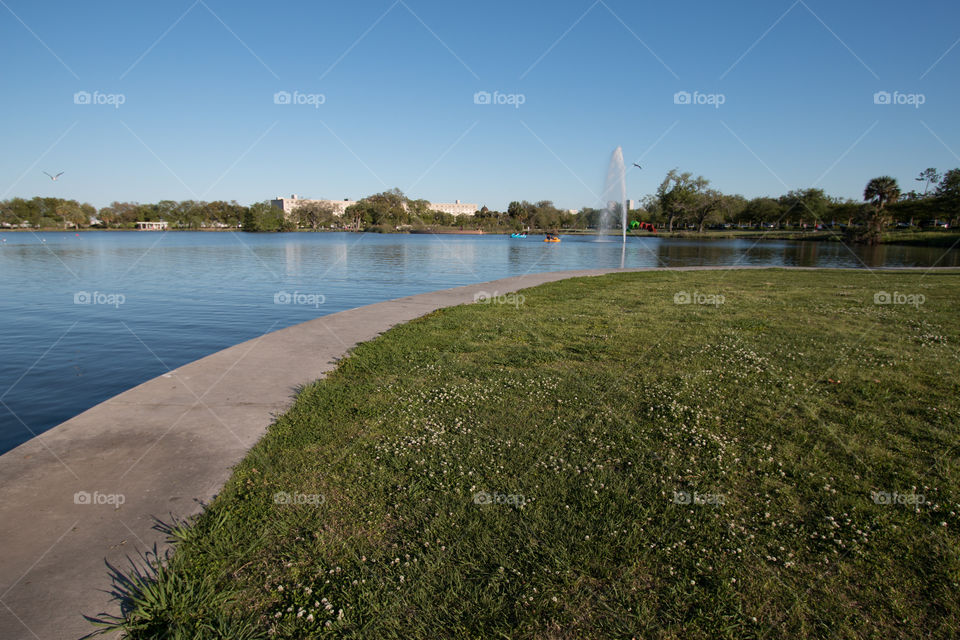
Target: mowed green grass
{"x":580,"y":417}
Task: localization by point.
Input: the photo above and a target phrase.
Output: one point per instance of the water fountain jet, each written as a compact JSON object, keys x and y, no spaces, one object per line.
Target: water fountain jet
{"x":614,"y":195}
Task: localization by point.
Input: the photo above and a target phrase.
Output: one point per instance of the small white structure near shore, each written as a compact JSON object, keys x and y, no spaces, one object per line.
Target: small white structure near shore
{"x":159,"y":225}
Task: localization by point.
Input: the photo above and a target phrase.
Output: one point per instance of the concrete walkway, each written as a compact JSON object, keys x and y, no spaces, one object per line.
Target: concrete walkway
{"x":162,"y":448}
{"x":165,"y":446}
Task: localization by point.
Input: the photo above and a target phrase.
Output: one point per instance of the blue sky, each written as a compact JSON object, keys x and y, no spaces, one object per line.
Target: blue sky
{"x":398,"y":80}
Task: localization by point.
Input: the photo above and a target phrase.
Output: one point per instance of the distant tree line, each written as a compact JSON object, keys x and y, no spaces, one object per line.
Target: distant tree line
{"x":687,"y":202}
{"x":58,"y":212}
{"x":682,"y":202}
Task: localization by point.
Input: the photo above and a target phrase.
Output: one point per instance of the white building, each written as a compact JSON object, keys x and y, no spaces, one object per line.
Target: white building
{"x":159,"y":225}
{"x":289,"y":205}
{"x":455,"y":208}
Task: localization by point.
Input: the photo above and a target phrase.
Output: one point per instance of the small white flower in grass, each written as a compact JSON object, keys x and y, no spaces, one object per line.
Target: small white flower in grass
{"x":310,"y":618}
{"x":327,"y":623}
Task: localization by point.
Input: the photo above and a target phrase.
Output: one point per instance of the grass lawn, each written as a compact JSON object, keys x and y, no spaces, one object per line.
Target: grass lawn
{"x":596,"y":461}
{"x":940,"y":238}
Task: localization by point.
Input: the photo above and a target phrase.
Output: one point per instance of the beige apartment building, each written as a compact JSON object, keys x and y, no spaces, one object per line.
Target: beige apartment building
{"x":288,"y":205}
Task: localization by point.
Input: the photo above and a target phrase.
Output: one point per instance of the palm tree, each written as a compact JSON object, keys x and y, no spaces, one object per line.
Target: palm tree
{"x":880,"y":191}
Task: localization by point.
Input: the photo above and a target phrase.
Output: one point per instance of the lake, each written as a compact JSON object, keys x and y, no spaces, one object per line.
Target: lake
{"x":86,"y":316}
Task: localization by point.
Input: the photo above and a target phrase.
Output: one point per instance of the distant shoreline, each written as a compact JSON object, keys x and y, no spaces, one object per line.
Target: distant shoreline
{"x":915,"y":238}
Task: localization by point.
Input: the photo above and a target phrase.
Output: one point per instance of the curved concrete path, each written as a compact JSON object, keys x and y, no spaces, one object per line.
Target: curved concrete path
{"x":163,"y":448}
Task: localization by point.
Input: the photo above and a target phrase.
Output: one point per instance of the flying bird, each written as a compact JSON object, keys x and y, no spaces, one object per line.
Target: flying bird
{"x":637,"y":166}
{"x":54,"y":178}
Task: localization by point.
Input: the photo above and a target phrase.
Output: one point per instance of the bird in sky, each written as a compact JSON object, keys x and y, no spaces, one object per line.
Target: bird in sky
{"x":637,"y":166}
{"x":54,"y":178}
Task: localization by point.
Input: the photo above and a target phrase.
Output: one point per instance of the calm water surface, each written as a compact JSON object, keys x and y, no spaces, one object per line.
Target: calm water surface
{"x":155,"y":301}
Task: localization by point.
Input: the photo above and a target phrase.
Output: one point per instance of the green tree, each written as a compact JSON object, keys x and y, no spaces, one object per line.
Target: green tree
{"x":315,"y":214}
{"x":759,"y":211}
{"x":928,"y":177}
{"x":418,"y":211}
{"x":880,"y":192}
{"x":948,"y":196}
{"x":679,"y":195}
{"x":385,"y":208}
{"x":70,"y":213}
{"x":520,"y":214}
{"x":545,"y":216}
{"x":949,"y":186}
{"x":801,"y":204}
{"x":706,"y":208}
{"x":589,"y":218}
{"x":262,"y":216}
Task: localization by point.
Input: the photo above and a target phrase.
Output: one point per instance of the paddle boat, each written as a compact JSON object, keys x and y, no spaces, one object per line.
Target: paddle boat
{"x":518,"y":235}
{"x":552,"y":238}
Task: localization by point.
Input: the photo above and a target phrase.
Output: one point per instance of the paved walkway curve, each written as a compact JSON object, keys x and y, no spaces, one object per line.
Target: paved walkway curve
{"x":165,"y":446}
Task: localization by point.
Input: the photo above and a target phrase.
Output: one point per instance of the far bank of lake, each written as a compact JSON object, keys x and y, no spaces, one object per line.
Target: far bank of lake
{"x":946,"y":238}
